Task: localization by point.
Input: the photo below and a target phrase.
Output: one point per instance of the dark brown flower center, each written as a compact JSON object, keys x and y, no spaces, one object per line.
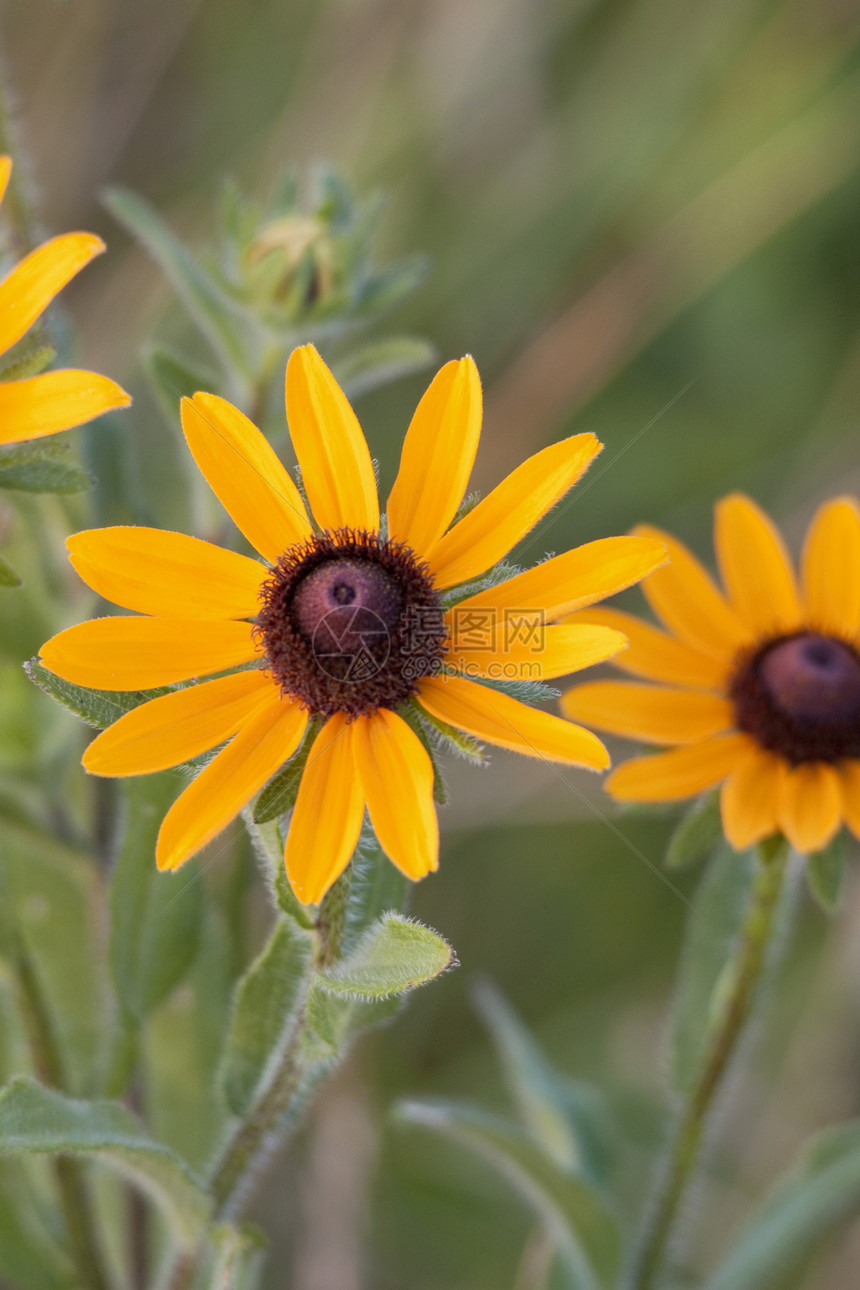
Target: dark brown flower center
{"x":799,"y":696}
{"x":350,"y":623}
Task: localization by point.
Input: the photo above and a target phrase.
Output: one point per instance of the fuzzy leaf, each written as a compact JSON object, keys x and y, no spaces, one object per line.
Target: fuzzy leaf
{"x":818,"y":1195}
{"x":583,"y":1227}
{"x":174,"y":377}
{"x":8,"y":576}
{"x":333,"y":1021}
{"x":380,"y":361}
{"x":394,"y":955}
{"x":155,"y":917}
{"x":37,"y":1120}
{"x":99,"y":708}
{"x":825,"y":873}
{"x":280,"y":793}
{"x":41,"y":468}
{"x":265,"y":1003}
{"x":697,"y":834}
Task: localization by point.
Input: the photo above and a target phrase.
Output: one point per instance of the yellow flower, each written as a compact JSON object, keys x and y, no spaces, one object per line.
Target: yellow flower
{"x":54,"y":401}
{"x":344,"y":623}
{"x":763,"y":690}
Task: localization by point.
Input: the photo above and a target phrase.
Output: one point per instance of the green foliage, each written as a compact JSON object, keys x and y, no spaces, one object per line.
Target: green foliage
{"x":280,"y":793}
{"x":236,"y":1257}
{"x":173,"y":377}
{"x":380,"y":361}
{"x":8,"y":576}
{"x":99,"y":708}
{"x":697,"y":835}
{"x":42,"y":466}
{"x":37,"y":1120}
{"x":825,"y":874}
{"x":394,"y":955}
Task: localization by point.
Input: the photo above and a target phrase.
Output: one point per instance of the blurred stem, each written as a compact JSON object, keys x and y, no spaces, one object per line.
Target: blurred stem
{"x":745,"y":975}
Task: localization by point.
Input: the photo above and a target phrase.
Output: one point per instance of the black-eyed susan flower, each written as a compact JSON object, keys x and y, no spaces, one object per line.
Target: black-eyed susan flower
{"x":761,"y":685}
{"x":344,"y":624}
{"x":53,"y":401}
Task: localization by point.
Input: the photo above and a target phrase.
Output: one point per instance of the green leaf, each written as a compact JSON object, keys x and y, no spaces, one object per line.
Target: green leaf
{"x":174,"y":377}
{"x":385,"y":289}
{"x":570,"y":1120}
{"x":232,"y":332}
{"x":265,"y":1006}
{"x":280,"y":793}
{"x":269,"y":853}
{"x":99,"y":708}
{"x":396,"y":954}
{"x":40,"y":1120}
{"x":697,"y":835}
{"x":8,"y":576}
{"x":576,"y":1215}
{"x":376,"y":886}
{"x":30,"y":1258}
{"x":450,"y":738}
{"x":818,"y":1195}
{"x":236,"y":1258}
{"x":30,"y":364}
{"x":711,"y":932}
{"x":380,"y":361}
{"x":333,"y":1021}
{"x":825,"y":873}
{"x":155,"y":917}
{"x":41,"y":467}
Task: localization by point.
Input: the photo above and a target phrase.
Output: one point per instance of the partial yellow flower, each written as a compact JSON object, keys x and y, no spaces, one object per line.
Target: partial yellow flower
{"x":42,"y":405}
{"x":761,"y":688}
{"x":343,"y":624}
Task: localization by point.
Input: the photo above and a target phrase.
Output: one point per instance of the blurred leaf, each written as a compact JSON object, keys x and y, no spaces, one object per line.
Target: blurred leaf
{"x":825,"y":874}
{"x":41,"y":467}
{"x":280,"y":793}
{"x":174,"y":377}
{"x":29,"y":364}
{"x":697,"y":834}
{"x":387,"y":288}
{"x":30,"y":1257}
{"x":99,"y":708}
{"x":39,"y":1120}
{"x":155,"y":917}
{"x":819,"y":1194}
{"x":570,"y":1120}
{"x":394,"y":955}
{"x":583,"y":1227}
{"x":381,"y":361}
{"x":265,"y":1005}
{"x":711,"y":931}
{"x":8,"y":576}
{"x":236,"y":1259}
{"x":231,"y":331}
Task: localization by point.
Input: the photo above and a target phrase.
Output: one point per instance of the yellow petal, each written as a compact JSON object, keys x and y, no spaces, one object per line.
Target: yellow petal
{"x":143,"y":653}
{"x":337,"y":471}
{"x":5,"y":174}
{"x":831,"y":568}
{"x":55,"y":401}
{"x":755,"y":566}
{"x":849,"y":775}
{"x":748,"y":799}
{"x":397,"y":781}
{"x":501,"y":720}
{"x":538,"y":654}
{"x":683,"y":595}
{"x":176,"y":727}
{"x":269,"y":736}
{"x":573,"y":580}
{"x":504,"y":516}
{"x":683,"y":772}
{"x":810,"y":806}
{"x":327,"y":818}
{"x":648,"y":712}
{"x":243,"y":472}
{"x":156,"y":572}
{"x":437,"y":458}
{"x":653,"y":654}
{"x":32,"y":284}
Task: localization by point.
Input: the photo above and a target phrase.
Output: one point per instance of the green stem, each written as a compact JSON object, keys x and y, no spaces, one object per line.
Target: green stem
{"x":749,"y":961}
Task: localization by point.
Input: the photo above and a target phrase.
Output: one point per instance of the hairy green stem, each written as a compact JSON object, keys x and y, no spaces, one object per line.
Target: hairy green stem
{"x":746,"y":970}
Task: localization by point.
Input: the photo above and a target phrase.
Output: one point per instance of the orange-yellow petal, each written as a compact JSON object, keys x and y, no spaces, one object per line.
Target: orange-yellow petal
{"x":682,"y":772}
{"x":245,"y":475}
{"x":684,"y":597}
{"x":327,"y":818}
{"x":504,"y":516}
{"x":337,"y":470}
{"x":5,"y":175}
{"x":55,"y":401}
{"x":488,"y":714}
{"x":176,"y":727}
{"x":270,"y":735}
{"x":538,"y":653}
{"x":157,"y":572}
{"x":32,"y":284}
{"x":570,"y":581}
{"x":748,"y":799}
{"x":648,"y":712}
{"x":653,"y":654}
{"x":437,"y":457}
{"x":831,"y":568}
{"x":809,"y":808}
{"x":755,"y":566}
{"x":849,"y":776}
{"x":143,"y":653}
{"x":396,"y":777}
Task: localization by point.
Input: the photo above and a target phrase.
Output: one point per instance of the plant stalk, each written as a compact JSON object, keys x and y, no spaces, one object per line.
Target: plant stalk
{"x":749,"y":961}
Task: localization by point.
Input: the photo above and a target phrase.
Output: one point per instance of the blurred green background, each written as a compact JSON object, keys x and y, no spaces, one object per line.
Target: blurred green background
{"x":642,"y":219}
